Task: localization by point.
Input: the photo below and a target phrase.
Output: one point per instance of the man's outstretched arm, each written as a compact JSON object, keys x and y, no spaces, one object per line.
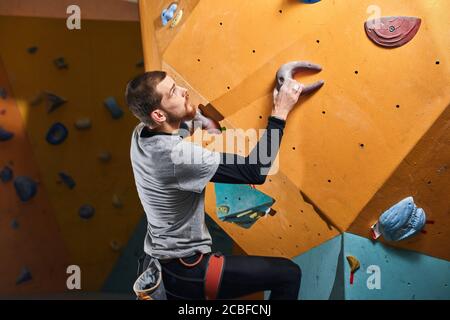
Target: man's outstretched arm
{"x":253,"y":169}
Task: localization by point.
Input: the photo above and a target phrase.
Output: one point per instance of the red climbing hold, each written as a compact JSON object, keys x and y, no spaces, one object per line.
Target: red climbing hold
{"x":392,"y":32}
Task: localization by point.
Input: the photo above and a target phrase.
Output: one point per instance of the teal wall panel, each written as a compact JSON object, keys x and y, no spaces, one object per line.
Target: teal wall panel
{"x":404,"y":275}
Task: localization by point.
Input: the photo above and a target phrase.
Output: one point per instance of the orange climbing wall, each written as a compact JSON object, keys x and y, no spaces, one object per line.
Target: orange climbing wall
{"x":102,"y":57}
{"x":37,"y":243}
{"x":341,"y":144}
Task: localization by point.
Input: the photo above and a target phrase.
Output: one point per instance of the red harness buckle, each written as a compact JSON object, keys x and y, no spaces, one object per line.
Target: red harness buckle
{"x":213,"y":275}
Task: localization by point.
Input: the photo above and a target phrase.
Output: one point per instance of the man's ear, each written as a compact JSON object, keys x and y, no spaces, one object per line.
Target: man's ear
{"x":158,"y":116}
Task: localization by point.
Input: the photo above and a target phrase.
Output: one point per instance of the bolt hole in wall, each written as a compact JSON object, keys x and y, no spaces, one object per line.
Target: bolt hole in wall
{"x":329,"y":181}
{"x":397,"y":106}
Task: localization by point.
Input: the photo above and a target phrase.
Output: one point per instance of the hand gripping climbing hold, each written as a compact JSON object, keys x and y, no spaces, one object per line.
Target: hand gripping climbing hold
{"x":392,"y":32}
{"x":203,"y":122}
{"x":288,"y":71}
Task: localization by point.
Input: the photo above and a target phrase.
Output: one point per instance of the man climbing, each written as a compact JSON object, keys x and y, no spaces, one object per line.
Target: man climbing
{"x":172,"y":193}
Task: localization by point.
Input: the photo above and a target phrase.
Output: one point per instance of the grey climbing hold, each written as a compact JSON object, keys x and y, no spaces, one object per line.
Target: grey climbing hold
{"x":5,"y":135}
{"x":86,"y":211}
{"x":104,"y":156}
{"x":61,"y":63}
{"x":25,"y":187}
{"x":14,"y":224}
{"x":68,"y":180}
{"x":57,"y":134}
{"x":3,"y":93}
{"x":83,"y":123}
{"x":117,"y":203}
{"x":54,"y":101}
{"x":32,"y":50}
{"x":288,"y":71}
{"x":25,"y":276}
{"x":113,"y":107}
{"x":6,"y":174}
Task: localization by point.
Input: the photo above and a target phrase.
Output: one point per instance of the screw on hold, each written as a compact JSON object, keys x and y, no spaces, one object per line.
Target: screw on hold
{"x":391,"y":28}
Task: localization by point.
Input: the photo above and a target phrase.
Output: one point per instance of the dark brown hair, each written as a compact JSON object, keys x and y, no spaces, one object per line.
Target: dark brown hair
{"x":141,"y":95}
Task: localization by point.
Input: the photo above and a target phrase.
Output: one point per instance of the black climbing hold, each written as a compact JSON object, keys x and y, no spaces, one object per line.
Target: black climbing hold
{"x":104,"y":156}
{"x":3,"y":93}
{"x":140,"y":64}
{"x":54,"y":101}
{"x":6,"y":174}
{"x":25,"y":275}
{"x":68,"y":180}
{"x":5,"y":135}
{"x":14,"y":224}
{"x":32,"y":50}
{"x":57,"y":134}
{"x":113,"y":107}
{"x":60,"y":63}
{"x":86,"y":211}
{"x":26,"y":188}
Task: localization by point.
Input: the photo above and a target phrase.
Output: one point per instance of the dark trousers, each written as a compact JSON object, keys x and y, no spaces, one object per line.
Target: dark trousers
{"x":242,"y":275}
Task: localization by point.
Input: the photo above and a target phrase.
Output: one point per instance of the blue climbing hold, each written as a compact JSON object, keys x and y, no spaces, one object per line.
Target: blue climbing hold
{"x":168,"y":13}
{"x":5,"y":135}
{"x":3,"y":93}
{"x":402,"y":220}
{"x":113,"y":107}
{"x":25,"y":275}
{"x":26,"y":188}
{"x":310,"y":1}
{"x":86,"y":211}
{"x":68,"y":180}
{"x":57,"y":134}
{"x":14,"y":224}
{"x":6,"y":174}
{"x":32,"y":50}
{"x":54,"y":101}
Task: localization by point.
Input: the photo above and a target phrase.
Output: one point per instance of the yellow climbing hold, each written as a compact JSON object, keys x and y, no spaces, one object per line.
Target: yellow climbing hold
{"x":177,"y":19}
{"x":354,"y":263}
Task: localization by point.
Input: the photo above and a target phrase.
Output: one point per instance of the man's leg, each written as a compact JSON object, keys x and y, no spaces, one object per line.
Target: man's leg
{"x":244,"y":275}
